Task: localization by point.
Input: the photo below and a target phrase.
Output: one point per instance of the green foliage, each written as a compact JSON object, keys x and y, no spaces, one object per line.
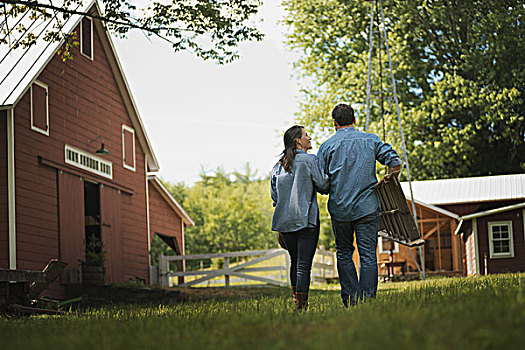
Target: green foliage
{"x":459,"y":72}
{"x":232,"y":212}
{"x":158,"y":247}
{"x":209,"y":29}
{"x":452,"y":313}
{"x":94,"y":254}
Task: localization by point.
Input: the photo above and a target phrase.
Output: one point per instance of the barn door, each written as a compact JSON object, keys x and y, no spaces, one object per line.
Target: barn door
{"x":71,"y":214}
{"x":110,"y":204}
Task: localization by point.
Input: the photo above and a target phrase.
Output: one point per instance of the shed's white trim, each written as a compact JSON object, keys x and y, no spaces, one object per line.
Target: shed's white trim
{"x":493,"y":255}
{"x":493,"y":211}
{"x":11,"y":187}
{"x":44,"y":86}
{"x":476,"y":244}
{"x":435,"y":208}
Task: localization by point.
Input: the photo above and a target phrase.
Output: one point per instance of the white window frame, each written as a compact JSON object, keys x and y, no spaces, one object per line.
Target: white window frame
{"x":81,"y":37}
{"x":380,"y":244}
{"x":127,"y":128}
{"x":35,"y":128}
{"x":493,"y":255}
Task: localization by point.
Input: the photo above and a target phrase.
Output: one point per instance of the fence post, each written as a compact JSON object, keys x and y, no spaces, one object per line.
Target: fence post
{"x":163,"y":270}
{"x":287,"y":266}
{"x":226,"y":276}
{"x":334,"y":264}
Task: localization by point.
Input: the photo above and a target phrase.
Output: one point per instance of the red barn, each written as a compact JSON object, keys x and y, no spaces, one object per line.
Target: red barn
{"x":58,"y":185}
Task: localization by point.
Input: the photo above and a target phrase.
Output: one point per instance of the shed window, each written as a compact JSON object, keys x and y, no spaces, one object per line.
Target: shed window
{"x":501,"y":243}
{"x":128,"y":147}
{"x":39,"y":108}
{"x":86,"y":37}
{"x":385,"y":245}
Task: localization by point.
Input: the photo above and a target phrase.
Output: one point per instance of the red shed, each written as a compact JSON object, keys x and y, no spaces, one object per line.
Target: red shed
{"x":472,"y":226}
{"x":59,"y":186}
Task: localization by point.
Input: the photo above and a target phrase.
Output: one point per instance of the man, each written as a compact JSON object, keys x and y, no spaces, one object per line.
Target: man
{"x":349,"y":158}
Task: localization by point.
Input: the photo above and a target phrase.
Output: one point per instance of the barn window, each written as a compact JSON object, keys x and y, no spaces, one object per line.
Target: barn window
{"x":385,"y":245}
{"x":128,"y":147}
{"x":39,"y":108}
{"x":501,"y":243}
{"x":86,"y":37}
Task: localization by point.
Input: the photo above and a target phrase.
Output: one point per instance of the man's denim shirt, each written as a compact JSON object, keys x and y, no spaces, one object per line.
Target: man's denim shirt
{"x":294,"y":194}
{"x":349,"y":158}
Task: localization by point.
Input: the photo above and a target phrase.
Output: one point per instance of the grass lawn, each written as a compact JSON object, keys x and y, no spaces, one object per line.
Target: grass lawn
{"x":459,"y":313}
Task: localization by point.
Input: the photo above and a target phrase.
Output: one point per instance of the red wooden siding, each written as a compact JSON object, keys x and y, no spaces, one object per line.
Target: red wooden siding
{"x":4,"y":225}
{"x":163,"y":219}
{"x":71,"y":211}
{"x":86,"y":24}
{"x":84,"y":102}
{"x":39,"y":107}
{"x":501,"y":265}
{"x":129,"y":158}
{"x":110,"y":211}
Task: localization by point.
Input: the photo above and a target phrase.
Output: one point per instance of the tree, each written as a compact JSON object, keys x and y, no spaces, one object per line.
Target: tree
{"x":459,"y":72}
{"x":232,"y":212}
{"x":210,"y":29}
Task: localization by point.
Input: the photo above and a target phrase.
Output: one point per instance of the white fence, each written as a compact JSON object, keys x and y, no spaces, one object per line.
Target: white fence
{"x":252,"y":267}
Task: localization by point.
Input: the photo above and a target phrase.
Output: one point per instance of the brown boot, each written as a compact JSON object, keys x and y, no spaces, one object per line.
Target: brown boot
{"x":301,"y":301}
{"x":293,"y":294}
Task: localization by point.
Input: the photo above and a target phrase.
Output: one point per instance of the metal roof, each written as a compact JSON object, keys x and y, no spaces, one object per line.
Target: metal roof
{"x":20,"y":67}
{"x":468,"y":190}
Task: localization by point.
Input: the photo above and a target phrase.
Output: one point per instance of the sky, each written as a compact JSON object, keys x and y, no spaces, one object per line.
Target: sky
{"x":200,"y":115}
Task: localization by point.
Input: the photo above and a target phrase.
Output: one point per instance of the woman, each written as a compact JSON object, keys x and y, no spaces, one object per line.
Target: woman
{"x":294,"y":181}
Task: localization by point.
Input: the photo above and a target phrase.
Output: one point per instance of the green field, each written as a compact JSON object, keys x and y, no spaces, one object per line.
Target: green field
{"x":460,"y":313}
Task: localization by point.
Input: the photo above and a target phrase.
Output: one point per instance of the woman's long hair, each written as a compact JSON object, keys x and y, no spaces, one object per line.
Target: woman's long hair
{"x":290,"y":147}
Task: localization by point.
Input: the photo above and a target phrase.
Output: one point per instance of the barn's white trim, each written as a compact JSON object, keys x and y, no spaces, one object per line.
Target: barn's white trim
{"x":90,"y":56}
{"x":11,"y":187}
{"x":523,"y":220}
{"x":86,"y":161}
{"x":33,"y":127}
{"x":24,"y":66}
{"x":132,"y":131}
{"x":147,"y":209}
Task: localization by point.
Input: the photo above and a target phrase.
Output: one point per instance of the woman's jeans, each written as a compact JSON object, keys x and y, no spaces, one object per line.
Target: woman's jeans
{"x":301,"y":246}
{"x":365,"y":230}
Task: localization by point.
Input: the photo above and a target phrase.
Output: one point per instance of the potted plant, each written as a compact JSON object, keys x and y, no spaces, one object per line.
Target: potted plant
{"x":93,"y":265}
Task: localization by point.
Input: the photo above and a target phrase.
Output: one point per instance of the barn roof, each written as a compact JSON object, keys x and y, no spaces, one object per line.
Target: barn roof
{"x":20,"y":67}
{"x":468,"y":190}
{"x":177,"y":208}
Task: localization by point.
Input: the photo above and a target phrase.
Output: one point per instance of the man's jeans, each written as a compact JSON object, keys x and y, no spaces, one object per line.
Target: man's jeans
{"x":301,"y":246}
{"x":366,"y":235}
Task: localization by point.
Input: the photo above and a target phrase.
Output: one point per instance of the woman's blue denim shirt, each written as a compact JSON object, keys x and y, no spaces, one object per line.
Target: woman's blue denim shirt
{"x":294,"y":194}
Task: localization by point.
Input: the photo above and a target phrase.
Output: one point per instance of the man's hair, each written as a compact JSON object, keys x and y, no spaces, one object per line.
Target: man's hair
{"x":343,"y":114}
